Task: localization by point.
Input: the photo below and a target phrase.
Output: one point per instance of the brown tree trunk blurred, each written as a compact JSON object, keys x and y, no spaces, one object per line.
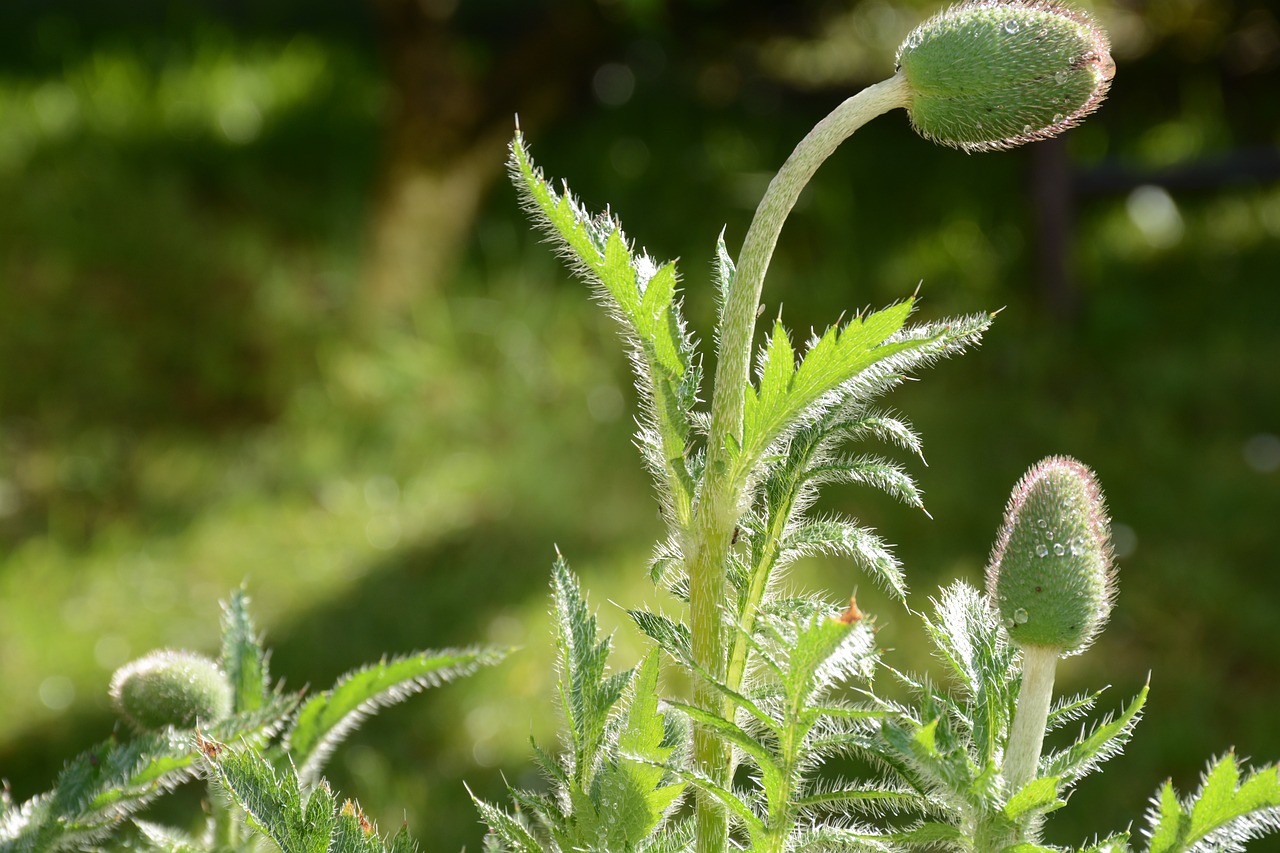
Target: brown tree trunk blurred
{"x":450,"y":118}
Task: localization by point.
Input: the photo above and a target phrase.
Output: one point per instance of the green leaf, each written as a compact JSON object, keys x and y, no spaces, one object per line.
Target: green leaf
{"x":970,"y":642}
{"x":1225,"y":813}
{"x":1105,"y":741}
{"x":641,"y":294}
{"x":327,"y":718}
{"x":930,"y":834}
{"x":272,"y":802}
{"x":1115,"y":843}
{"x":512,"y":831}
{"x":787,"y":391}
{"x":632,"y":798}
{"x":825,"y":650}
{"x":868,"y":470}
{"x":276,"y":804}
{"x":1169,"y":822}
{"x":103,"y":786}
{"x":671,"y":636}
{"x":587,"y":695}
{"x":243,"y":658}
{"x":1036,"y":797}
{"x":734,"y":804}
{"x":168,"y":839}
{"x":844,"y":538}
{"x":732,"y":733}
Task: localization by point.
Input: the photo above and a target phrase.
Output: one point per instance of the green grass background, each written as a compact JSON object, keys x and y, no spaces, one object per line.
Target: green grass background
{"x":186,"y":404}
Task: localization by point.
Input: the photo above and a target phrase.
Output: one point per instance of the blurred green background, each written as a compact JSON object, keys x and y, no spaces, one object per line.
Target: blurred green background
{"x":270,"y":313}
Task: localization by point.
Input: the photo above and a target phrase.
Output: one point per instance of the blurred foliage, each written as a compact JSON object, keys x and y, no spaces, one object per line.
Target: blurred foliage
{"x":185,"y":402}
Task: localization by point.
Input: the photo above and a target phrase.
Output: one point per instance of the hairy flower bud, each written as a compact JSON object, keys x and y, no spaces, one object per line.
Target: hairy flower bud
{"x":993,"y":74}
{"x":171,"y":688}
{"x":1051,"y":579}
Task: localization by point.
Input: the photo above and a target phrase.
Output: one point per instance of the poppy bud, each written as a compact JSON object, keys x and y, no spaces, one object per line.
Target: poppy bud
{"x":171,"y":688}
{"x":991,"y":74}
{"x":1051,"y":578}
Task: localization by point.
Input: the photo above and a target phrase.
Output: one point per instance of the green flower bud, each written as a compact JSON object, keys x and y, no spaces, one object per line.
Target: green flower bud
{"x":991,"y":74}
{"x":1051,"y":578}
{"x":170,"y":688}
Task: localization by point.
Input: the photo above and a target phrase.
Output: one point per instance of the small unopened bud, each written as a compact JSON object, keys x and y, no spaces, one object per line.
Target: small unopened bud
{"x":1051,"y":578}
{"x":171,"y":688}
{"x":993,"y":74}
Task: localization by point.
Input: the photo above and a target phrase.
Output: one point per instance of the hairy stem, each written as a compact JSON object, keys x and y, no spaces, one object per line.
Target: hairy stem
{"x":1026,"y":736}
{"x":718,"y":508}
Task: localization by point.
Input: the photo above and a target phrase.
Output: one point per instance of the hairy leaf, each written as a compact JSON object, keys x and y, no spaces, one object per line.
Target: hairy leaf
{"x":327,"y":718}
{"x":243,"y":658}
{"x":1224,"y":814}
{"x":641,"y":294}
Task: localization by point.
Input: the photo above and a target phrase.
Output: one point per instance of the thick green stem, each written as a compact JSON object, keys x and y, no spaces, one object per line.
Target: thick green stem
{"x":1026,"y":735}
{"x":719,"y":503}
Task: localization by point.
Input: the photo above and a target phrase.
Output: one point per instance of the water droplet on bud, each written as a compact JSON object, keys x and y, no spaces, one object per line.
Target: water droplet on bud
{"x":1059,"y":548}
{"x":1020,"y":616}
{"x":1011,"y":26}
{"x":1041,"y":550}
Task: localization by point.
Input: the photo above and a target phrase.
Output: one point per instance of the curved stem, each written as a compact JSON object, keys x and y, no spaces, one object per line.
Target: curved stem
{"x":718,"y":505}
{"x":734,"y":353}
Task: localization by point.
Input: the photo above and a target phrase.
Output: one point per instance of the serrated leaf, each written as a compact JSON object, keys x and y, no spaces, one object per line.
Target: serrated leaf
{"x":1036,"y":797}
{"x":1224,"y":814}
{"x":841,"y":537}
{"x":969,"y":641}
{"x":671,"y":636}
{"x":832,"y":360}
{"x":587,"y":695}
{"x":631,"y":797}
{"x":101,"y":787}
{"x":272,"y":802}
{"x":733,"y":804}
{"x":1102,"y":743}
{"x":243,"y":659}
{"x":1168,"y":821}
{"x":327,"y":718}
{"x":816,"y":644}
{"x":508,"y":828}
{"x":641,"y":295}
{"x":868,"y":470}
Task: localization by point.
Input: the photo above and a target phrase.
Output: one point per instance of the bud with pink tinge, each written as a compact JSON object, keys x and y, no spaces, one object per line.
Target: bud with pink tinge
{"x":1051,"y":578}
{"x":991,"y":74}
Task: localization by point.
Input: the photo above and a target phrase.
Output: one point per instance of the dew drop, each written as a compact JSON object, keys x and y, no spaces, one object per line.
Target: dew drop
{"x":1059,"y":548}
{"x":1040,"y":522}
{"x":1020,"y":616}
{"x":1077,"y":547}
{"x":913,"y":40}
{"x":1026,"y":128}
{"x":1010,"y":26}
{"x":1057,"y":117}
{"x":1008,"y":623}
{"x":1041,"y":550}
{"x":1061,"y":77}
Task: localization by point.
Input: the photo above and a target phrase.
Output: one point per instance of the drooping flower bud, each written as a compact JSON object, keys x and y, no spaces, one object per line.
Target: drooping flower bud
{"x":1051,"y":578}
{"x":991,"y":74}
{"x":171,"y":688}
